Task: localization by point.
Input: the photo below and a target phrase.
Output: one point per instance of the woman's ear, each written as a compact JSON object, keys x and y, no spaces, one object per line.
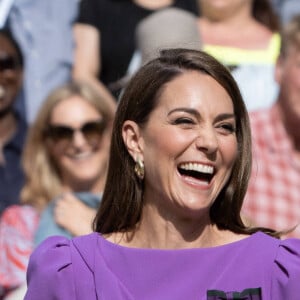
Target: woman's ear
{"x":132,"y":138}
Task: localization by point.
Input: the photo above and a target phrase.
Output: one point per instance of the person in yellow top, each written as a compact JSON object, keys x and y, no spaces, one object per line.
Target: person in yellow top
{"x":243,"y":35}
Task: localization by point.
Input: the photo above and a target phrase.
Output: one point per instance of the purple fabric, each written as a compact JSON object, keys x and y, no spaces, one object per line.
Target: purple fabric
{"x":89,"y":267}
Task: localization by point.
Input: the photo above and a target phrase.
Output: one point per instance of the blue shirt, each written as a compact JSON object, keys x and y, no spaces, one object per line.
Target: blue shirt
{"x":11,"y":174}
{"x":43,"y":29}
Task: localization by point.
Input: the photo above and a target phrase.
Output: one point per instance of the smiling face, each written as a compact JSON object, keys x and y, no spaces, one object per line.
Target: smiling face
{"x":188,"y":145}
{"x":10,"y":74}
{"x":81,"y":162}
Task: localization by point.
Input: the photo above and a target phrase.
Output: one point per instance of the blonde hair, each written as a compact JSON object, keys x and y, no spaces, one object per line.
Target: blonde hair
{"x":42,"y":179}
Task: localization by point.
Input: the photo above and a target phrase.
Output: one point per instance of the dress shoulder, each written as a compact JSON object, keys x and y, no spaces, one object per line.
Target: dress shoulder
{"x":50,"y":271}
{"x":286,"y":282}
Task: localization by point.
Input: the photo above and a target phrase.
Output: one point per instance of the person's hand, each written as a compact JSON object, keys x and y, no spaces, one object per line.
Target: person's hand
{"x":73,"y":215}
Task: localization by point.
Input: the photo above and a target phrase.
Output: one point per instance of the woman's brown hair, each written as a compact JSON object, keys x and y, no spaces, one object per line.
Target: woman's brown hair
{"x":122,"y":200}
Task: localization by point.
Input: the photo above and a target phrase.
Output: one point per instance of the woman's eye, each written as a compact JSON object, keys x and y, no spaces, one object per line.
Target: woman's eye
{"x":183,"y":121}
{"x":230,"y":128}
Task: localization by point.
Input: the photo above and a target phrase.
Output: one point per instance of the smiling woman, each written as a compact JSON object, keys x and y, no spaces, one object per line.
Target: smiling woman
{"x":65,"y":163}
{"x":169,"y":224}
{"x":203,"y":107}
{"x":196,"y":112}
{"x":68,"y":145}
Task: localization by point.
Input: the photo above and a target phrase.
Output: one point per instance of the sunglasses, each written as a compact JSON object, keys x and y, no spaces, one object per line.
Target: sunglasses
{"x":92,"y":132}
{"x":8,"y":62}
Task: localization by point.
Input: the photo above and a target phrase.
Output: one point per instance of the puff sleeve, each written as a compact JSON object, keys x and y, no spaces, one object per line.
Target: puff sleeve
{"x":50,"y":273}
{"x":286,"y":280}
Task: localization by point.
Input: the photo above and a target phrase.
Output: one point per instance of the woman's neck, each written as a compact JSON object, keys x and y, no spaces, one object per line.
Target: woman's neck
{"x":233,"y":28}
{"x":228,"y":33}
{"x":94,"y":187}
{"x":156,"y":232}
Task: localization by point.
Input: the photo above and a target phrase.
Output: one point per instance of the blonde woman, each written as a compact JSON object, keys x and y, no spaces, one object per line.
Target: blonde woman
{"x":65,"y":160}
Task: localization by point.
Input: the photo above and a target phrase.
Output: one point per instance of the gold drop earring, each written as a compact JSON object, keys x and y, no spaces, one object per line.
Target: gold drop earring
{"x":139,"y":169}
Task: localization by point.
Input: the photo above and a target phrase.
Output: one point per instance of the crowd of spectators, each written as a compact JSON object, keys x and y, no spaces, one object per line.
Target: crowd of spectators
{"x":83,"y":51}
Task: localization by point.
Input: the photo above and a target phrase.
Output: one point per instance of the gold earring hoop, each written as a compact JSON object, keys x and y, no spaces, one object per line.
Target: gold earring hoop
{"x":139,"y":169}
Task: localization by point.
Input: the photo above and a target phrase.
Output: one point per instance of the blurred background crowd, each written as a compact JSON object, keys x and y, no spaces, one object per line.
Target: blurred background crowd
{"x":63,"y":66}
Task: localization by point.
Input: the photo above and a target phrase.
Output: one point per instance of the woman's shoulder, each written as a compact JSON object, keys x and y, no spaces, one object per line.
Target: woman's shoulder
{"x":284,"y":258}
{"x":286,"y":277}
{"x":56,"y":264}
{"x":288,"y":255}
{"x":50,"y":256}
{"x":60,"y":251}
{"x":49,"y":266}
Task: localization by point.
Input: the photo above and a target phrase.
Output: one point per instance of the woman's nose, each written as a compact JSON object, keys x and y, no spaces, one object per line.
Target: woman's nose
{"x":207,"y":140}
{"x":79,"y":139}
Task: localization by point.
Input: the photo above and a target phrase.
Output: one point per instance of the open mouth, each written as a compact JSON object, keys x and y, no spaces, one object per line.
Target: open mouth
{"x":197,"y":171}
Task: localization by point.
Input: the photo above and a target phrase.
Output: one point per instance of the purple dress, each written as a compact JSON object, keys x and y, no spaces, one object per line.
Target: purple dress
{"x":90,"y":268}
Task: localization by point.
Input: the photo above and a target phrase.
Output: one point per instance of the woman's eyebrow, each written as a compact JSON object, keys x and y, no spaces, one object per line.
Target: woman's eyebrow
{"x":220,"y":117}
{"x":224,"y":116}
{"x":184,"y":109}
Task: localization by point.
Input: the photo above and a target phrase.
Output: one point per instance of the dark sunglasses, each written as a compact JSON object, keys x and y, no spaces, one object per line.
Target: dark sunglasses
{"x":92,"y":131}
{"x":8,"y":62}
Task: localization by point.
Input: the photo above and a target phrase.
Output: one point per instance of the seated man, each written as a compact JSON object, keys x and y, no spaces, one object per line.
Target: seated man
{"x":273,"y":198}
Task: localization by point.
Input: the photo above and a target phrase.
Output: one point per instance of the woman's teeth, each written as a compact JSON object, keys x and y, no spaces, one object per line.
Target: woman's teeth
{"x":197,"y":168}
{"x":79,"y":156}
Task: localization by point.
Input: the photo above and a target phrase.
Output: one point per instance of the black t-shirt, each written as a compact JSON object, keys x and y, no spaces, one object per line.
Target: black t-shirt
{"x":116,"y":21}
